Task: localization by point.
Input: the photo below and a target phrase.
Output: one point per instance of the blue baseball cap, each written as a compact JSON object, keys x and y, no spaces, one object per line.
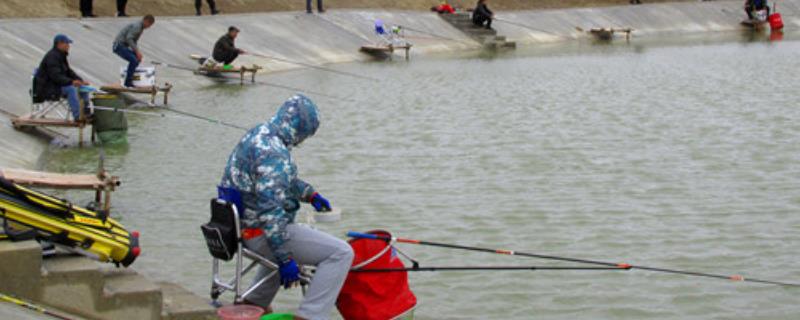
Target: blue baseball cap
{"x":62,"y":38}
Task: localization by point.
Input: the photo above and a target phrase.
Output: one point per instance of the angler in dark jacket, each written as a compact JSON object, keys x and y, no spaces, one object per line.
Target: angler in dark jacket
{"x":54,"y":78}
{"x":225,"y":50}
{"x":482,"y":16}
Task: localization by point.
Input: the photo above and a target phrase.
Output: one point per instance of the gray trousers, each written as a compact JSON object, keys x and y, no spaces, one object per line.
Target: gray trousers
{"x":333,"y":258}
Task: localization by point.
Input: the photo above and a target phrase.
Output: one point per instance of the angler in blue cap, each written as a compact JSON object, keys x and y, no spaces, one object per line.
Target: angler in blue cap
{"x":261,"y":178}
{"x":55,"y":78}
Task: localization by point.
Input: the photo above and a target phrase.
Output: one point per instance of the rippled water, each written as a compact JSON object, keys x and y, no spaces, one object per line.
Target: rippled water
{"x":684,"y":156}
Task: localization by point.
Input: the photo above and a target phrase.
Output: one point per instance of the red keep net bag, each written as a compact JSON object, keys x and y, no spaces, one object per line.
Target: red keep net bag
{"x":375,"y":295}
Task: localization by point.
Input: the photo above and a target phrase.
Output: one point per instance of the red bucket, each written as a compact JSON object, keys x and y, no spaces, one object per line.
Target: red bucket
{"x":775,"y":21}
{"x":378,"y":295}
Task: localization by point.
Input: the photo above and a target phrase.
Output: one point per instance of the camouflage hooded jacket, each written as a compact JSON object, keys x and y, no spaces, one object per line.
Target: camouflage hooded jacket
{"x":262,"y":169}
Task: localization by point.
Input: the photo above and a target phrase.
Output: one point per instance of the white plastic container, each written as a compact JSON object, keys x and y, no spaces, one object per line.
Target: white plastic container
{"x":143,"y":77}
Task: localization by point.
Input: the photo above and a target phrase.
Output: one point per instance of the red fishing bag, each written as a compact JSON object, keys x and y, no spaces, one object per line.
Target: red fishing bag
{"x":375,"y":295}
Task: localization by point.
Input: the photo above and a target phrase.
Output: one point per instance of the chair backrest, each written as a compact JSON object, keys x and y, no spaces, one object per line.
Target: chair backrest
{"x":222,"y":233}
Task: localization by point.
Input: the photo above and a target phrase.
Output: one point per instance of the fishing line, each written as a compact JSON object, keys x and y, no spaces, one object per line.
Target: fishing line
{"x":314,"y":66}
{"x":264,"y":83}
{"x":485,"y":268}
{"x":577,"y":260}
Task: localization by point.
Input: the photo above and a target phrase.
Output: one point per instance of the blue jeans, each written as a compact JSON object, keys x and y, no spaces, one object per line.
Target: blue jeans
{"x":130,"y":56}
{"x":71,"y":92}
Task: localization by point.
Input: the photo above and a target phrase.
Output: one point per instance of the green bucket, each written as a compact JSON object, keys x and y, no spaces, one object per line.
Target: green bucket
{"x":278,"y":316}
{"x":110,"y":126}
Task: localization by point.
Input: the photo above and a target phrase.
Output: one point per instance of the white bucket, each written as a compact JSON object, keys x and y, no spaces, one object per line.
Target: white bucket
{"x":143,"y":77}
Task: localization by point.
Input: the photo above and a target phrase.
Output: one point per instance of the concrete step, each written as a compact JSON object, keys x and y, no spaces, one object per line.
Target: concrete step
{"x":128,"y":295}
{"x":20,"y":272}
{"x":180,"y":304}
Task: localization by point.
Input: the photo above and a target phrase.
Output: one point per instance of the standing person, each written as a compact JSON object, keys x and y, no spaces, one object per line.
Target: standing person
{"x":126,"y":45}
{"x":55,"y":78}
{"x":319,"y":7}
{"x":482,"y":15}
{"x":121,"y":4}
{"x":198,"y":5}
{"x":86,"y":9}
{"x":225,"y":50}
{"x":263,"y":175}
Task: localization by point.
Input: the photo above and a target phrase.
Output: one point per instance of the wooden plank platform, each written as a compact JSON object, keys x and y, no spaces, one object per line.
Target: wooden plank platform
{"x":383,"y":51}
{"x":59,"y":180}
{"x":151,"y":90}
{"x":28,"y":121}
{"x":102,"y":183}
{"x":219,"y":69}
{"x":608,"y":33}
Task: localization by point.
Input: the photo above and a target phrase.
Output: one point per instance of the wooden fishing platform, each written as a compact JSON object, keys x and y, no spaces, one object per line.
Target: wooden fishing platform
{"x":150,"y":90}
{"x":219,"y":70}
{"x":383,"y":51}
{"x":754,"y":24}
{"x":102,"y":182}
{"x":607,"y":34}
{"x":39,"y":118}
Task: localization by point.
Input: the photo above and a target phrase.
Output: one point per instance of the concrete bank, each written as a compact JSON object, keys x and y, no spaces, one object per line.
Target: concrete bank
{"x":330,"y":38}
{"x":665,"y":19}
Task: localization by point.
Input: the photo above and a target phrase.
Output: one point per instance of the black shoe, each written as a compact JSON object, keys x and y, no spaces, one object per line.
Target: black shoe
{"x":215,"y":12}
{"x":89,"y":16}
{"x":320,"y":11}
{"x":198,"y":13}
{"x":310,"y":12}
{"x":121,"y":14}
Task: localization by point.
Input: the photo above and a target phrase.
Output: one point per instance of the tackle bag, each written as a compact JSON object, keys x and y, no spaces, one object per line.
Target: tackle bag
{"x":375,"y":295}
{"x":221,"y":233}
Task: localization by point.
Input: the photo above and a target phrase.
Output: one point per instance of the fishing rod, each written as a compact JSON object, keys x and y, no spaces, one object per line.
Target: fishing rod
{"x":32,"y":306}
{"x":182,"y":113}
{"x":434,"y":35}
{"x":483,"y":268}
{"x":530,"y":28}
{"x":344,"y":73}
{"x":741,"y":278}
{"x":269,"y":84}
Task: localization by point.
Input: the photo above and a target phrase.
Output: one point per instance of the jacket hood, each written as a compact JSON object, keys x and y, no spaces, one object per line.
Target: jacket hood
{"x":296,"y":120}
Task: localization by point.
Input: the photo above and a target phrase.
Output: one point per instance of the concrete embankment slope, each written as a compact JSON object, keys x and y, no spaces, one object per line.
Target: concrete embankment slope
{"x":315,"y":39}
{"x":330,"y":38}
{"x":667,"y":19}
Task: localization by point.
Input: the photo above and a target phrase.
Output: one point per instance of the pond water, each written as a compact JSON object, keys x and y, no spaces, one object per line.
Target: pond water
{"x":682,"y":155}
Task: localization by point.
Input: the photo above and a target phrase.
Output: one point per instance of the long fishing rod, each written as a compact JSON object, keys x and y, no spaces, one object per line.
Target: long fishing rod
{"x":484,"y":268}
{"x":530,"y":28}
{"x":558,"y":258}
{"x":31,"y":306}
{"x":179,"y":112}
{"x":344,"y":73}
{"x":269,"y":84}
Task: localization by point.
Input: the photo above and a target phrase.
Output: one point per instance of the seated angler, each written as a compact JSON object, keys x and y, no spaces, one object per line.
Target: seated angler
{"x":225,"y":50}
{"x":751,"y":6}
{"x":55,"y":78}
{"x":261,"y":178}
{"x":482,"y":16}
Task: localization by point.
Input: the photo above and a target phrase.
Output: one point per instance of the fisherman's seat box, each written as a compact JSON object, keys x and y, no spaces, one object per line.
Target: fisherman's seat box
{"x":775,"y":21}
{"x":143,"y":77}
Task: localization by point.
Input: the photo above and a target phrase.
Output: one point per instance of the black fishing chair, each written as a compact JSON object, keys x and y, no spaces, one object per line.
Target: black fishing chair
{"x":223,"y":236}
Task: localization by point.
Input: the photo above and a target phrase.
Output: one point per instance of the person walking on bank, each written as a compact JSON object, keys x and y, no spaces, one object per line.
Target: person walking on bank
{"x":225,"y":50}
{"x":54,"y":78}
{"x":86,"y":9}
{"x":126,"y":45}
{"x":482,"y":16}
{"x":320,"y":9}
{"x":198,"y":5}
{"x":262,"y":175}
{"x":121,"y":4}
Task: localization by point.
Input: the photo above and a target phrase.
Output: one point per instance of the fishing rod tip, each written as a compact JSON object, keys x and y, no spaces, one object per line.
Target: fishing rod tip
{"x":737,"y":277}
{"x":624,"y":266}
